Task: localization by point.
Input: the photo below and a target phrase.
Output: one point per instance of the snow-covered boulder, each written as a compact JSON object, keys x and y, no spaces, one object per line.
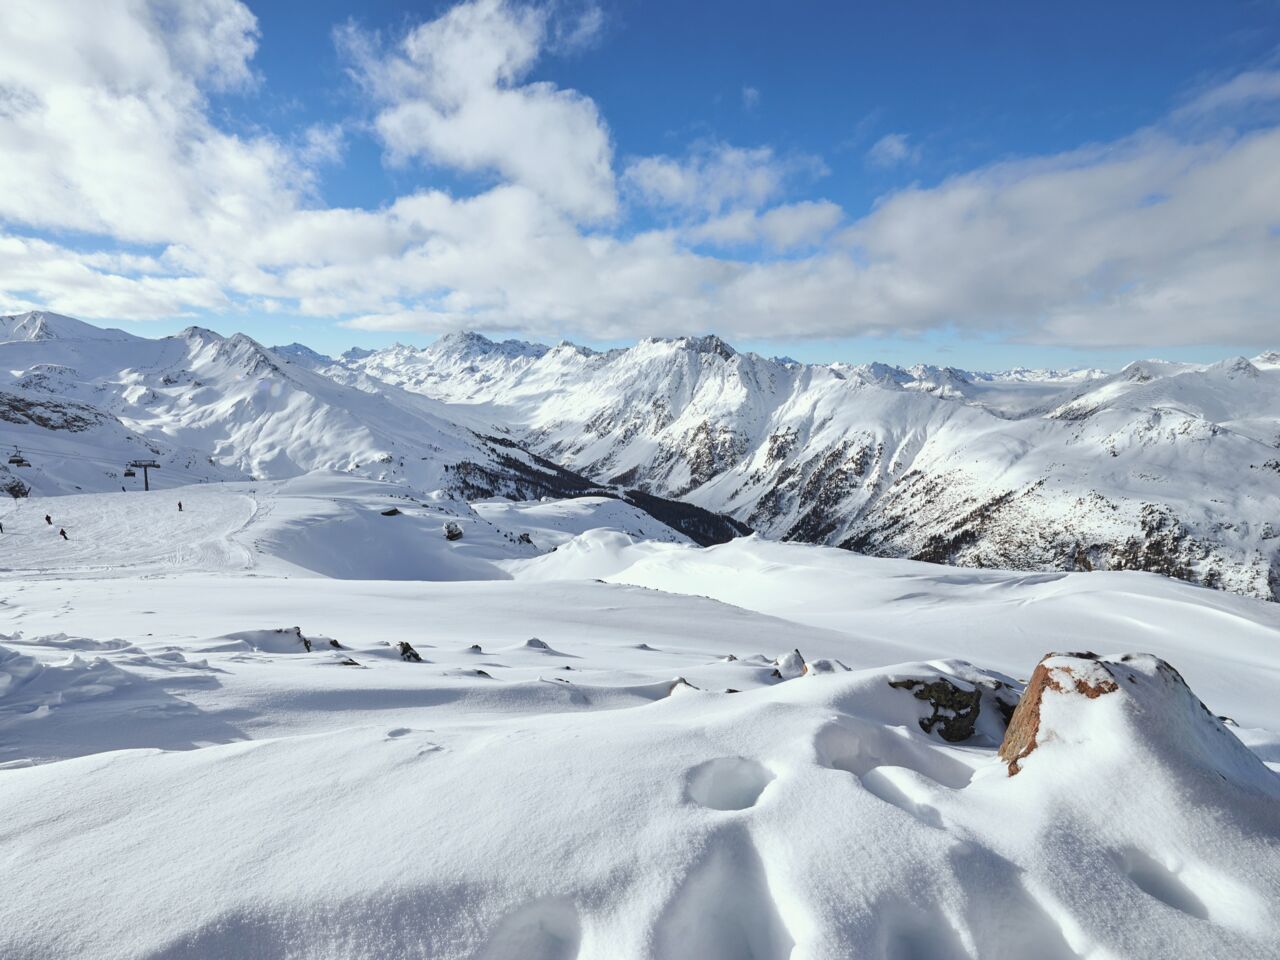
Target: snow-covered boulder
{"x":1081,"y":707}
{"x":789,"y":666}
{"x":279,"y":640}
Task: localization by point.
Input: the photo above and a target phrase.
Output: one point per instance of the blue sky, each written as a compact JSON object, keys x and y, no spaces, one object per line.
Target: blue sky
{"x":985,"y":185}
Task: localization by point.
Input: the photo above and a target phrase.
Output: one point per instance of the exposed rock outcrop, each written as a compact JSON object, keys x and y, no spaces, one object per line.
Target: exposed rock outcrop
{"x":955,"y":710}
{"x":1082,"y":707}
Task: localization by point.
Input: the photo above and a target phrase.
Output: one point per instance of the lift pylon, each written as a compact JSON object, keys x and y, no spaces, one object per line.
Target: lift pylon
{"x":144,"y":466}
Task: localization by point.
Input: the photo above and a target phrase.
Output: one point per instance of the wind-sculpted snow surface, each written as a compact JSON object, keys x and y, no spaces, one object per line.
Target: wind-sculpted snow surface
{"x":1165,"y":467}
{"x":531,"y":812}
{"x":753,"y":750}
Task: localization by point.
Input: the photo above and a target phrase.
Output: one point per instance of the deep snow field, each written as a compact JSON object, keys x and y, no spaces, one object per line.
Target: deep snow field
{"x":609,"y":749}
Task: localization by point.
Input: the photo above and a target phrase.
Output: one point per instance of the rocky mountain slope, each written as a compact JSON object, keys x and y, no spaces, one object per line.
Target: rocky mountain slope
{"x":1173,"y":468}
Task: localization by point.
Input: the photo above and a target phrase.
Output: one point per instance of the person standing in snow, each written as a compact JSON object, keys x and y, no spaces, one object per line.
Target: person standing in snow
{"x":62,"y":533}
{"x":179,"y":506}
{"x":48,"y":519}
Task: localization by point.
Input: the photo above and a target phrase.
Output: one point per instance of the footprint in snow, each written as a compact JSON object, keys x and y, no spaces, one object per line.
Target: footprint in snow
{"x":728,"y":783}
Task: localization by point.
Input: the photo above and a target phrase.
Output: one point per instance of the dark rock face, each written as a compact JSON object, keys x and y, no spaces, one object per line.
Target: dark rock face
{"x":527,"y":476}
{"x":452,"y":531}
{"x":1164,"y":547}
{"x":407,"y":652}
{"x":393,"y":512}
{"x":955,"y":711}
{"x":709,"y":450}
{"x":68,"y":415}
{"x":14,"y":487}
{"x":703,"y":527}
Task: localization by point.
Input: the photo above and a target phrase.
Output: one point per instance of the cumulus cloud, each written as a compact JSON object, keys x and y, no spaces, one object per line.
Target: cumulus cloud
{"x":452,"y":93}
{"x":38,"y":274}
{"x":104,"y":129}
{"x":1164,"y":237}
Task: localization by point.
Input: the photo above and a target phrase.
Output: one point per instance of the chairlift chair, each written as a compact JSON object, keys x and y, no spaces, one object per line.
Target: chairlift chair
{"x":16,"y":459}
{"x":129,"y":472}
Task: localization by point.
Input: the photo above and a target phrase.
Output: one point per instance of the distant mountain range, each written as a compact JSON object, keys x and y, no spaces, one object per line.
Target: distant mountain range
{"x":1167,"y":467}
{"x":79,"y":403}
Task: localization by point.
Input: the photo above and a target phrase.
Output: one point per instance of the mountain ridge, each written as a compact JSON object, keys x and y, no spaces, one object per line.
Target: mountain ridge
{"x":1161,"y":466}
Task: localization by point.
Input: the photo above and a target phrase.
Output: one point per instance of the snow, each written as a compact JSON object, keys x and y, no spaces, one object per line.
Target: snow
{"x":555,"y":522}
{"x":294,"y":720}
{"x":318,"y":524}
{"x":583,"y":784}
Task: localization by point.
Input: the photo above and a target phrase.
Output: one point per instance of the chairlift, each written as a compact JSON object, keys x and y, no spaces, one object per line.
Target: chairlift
{"x":16,"y":458}
{"x":129,"y":472}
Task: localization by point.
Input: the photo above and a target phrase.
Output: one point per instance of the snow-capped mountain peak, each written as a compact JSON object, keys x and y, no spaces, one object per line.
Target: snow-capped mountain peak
{"x":302,"y":354}
{"x":37,"y":325}
{"x":1021,"y":468}
{"x":468,"y":344}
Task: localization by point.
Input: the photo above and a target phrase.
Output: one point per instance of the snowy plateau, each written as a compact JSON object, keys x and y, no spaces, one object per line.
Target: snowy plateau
{"x":503,"y":651}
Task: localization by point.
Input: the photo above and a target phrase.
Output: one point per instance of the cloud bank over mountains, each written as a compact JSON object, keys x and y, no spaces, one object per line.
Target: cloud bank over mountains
{"x":126,"y":194}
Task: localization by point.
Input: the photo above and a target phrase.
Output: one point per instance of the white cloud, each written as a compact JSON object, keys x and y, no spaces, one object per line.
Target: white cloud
{"x":322,"y":143}
{"x":1248,"y":89}
{"x":785,"y":227}
{"x":715,"y":176}
{"x":1149,"y":240}
{"x":799,"y":224}
{"x":750,"y":98}
{"x":451,"y":93}
{"x":96,"y":286}
{"x":891,"y":150}
{"x":103,"y":126}
{"x":574,"y":32}
{"x":1164,"y":237}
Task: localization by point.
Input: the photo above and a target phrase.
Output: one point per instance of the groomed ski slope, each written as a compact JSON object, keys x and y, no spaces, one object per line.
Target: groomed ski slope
{"x":321,"y":524}
{"x":125,"y":533}
{"x":182,"y":778}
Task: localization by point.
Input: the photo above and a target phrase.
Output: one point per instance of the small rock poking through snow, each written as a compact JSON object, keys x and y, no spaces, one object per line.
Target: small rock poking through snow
{"x":789,"y":665}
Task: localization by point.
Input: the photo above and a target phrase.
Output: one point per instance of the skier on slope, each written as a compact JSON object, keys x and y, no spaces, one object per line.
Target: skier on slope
{"x":62,"y":533}
{"x":48,"y":519}
{"x":179,"y":506}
